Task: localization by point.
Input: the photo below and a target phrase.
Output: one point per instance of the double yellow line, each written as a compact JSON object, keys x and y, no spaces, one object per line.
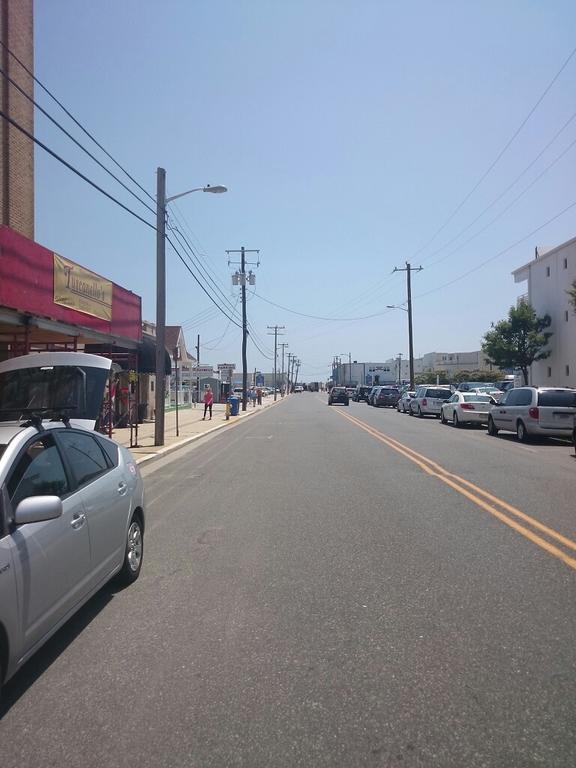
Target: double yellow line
{"x":500,"y":509}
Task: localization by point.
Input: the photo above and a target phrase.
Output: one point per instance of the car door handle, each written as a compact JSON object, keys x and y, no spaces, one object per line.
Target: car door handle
{"x":122,"y":488}
{"x":78,"y":521}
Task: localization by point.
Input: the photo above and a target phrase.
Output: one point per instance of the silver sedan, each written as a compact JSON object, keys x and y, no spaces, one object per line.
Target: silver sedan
{"x":466,"y":408}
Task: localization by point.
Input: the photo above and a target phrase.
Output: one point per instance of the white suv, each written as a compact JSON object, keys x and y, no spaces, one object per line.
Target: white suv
{"x":545,"y":411}
{"x":428,"y":400}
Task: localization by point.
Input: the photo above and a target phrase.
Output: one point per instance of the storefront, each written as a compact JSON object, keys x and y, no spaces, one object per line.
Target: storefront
{"x":49,"y":303}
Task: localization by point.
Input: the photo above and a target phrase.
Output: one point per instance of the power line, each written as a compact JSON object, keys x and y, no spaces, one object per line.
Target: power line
{"x":73,"y":169}
{"x":77,"y":122}
{"x":212,"y":299}
{"x":78,"y":144}
{"x":509,"y":187}
{"x":499,"y":155}
{"x":319,"y":317}
{"x":500,"y":253}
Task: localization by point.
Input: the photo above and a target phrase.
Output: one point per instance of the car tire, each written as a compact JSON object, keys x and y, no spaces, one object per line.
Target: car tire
{"x":419,"y":414}
{"x":455,"y":420}
{"x":492,"y":428}
{"x":521,"y":432}
{"x":442,"y":418}
{"x":134,"y":552}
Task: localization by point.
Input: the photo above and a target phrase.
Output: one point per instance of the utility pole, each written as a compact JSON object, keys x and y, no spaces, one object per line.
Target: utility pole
{"x":399,"y":368}
{"x":240,"y":278}
{"x":283,"y":344}
{"x":275,"y":328}
{"x":408,"y":269}
{"x":288,"y":373}
{"x":198,"y":368}
{"x":160,"y":384}
{"x":298,"y":362}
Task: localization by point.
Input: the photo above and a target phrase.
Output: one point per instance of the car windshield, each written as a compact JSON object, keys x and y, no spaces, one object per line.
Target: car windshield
{"x":2,"y":449}
{"x":442,"y":394}
{"x":477,"y":399}
{"x":557,"y":398}
{"x":70,"y":390}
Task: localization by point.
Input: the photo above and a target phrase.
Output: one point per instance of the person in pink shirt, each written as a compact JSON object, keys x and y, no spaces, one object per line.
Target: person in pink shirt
{"x":208,"y":400}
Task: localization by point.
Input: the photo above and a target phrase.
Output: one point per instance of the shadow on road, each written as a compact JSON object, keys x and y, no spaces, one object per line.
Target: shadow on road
{"x":42,"y":660}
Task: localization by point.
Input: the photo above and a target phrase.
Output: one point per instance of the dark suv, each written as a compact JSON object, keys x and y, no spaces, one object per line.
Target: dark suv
{"x":387,"y":396}
{"x":338,"y":395}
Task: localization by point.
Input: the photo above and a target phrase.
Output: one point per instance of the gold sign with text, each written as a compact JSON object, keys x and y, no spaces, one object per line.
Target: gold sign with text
{"x":82,"y":290}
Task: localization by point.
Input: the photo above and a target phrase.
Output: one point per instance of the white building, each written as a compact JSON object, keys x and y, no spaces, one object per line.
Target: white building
{"x":453,"y":362}
{"x":549,"y":276}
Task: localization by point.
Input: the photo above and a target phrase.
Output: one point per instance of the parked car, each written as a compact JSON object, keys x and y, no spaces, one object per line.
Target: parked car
{"x":493,"y":392}
{"x":505,"y":384}
{"x":351,"y":392}
{"x":338,"y":395}
{"x":387,"y":396}
{"x":545,"y":411}
{"x":403,"y":404}
{"x":298,"y":388}
{"x":361,"y":393}
{"x":466,"y":408}
{"x":371,"y":395}
{"x":428,"y":400}
{"x":469,"y":386}
{"x":71,"y":500}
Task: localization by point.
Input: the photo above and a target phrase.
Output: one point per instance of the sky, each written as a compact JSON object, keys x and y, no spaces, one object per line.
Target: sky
{"x":352,"y":137}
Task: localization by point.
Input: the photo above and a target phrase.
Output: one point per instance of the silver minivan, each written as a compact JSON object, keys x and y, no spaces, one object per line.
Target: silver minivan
{"x":546,"y":411}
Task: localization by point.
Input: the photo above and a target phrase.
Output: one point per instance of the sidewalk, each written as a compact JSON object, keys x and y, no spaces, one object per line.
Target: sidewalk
{"x":190,"y":427}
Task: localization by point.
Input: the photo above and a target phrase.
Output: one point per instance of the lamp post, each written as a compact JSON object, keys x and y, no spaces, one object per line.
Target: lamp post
{"x":161,"y":202}
{"x":410,"y":339}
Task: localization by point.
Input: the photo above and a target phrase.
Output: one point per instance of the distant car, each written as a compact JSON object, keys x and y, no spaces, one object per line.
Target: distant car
{"x":351,"y":392}
{"x":403,"y":404}
{"x":466,"y":408}
{"x":372,"y":394}
{"x":505,"y":384}
{"x":490,"y":390}
{"x":545,"y":411}
{"x":468,"y":386}
{"x":71,"y":500}
{"x":338,"y":395}
{"x":361,"y":393}
{"x":428,"y":400}
{"x":298,"y":388}
{"x":387,"y":396}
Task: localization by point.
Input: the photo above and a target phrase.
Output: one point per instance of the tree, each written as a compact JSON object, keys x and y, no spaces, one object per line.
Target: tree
{"x":572,"y":294}
{"x":518,"y":341}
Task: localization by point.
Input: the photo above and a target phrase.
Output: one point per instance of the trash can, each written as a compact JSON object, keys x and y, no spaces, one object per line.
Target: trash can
{"x":234,"y":406}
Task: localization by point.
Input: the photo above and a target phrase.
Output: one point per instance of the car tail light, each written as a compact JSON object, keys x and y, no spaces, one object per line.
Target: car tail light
{"x":424,"y":402}
{"x":534,"y":413}
{"x":467,"y":407}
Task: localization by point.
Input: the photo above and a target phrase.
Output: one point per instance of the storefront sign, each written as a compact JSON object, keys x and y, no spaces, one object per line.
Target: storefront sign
{"x":202,"y":370}
{"x":82,"y":290}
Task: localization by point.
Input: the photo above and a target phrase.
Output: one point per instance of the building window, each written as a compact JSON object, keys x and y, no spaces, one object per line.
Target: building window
{"x":549,"y":372}
{"x":565,"y":263}
{"x":547,"y":271}
{"x":567,"y":370}
{"x":566,"y":315}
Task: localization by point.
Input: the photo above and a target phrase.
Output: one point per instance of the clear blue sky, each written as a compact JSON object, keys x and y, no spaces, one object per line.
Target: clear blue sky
{"x":347,"y":133}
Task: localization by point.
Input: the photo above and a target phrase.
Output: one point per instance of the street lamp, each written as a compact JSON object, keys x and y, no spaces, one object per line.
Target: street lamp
{"x":410,"y":340}
{"x":161,"y":202}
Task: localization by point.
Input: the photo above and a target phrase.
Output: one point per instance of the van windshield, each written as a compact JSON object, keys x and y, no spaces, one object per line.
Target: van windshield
{"x":74,"y":391}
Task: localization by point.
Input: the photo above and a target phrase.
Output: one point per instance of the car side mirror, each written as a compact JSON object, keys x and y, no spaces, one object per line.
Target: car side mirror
{"x":36,"y":509}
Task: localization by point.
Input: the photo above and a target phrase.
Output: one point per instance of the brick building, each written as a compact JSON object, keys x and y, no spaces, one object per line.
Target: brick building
{"x":16,"y":150}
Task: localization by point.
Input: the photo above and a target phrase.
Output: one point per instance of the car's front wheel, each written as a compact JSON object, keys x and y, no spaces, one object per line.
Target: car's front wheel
{"x":134,"y":552}
{"x":455,"y":420}
{"x":492,"y":428}
{"x":442,"y":417}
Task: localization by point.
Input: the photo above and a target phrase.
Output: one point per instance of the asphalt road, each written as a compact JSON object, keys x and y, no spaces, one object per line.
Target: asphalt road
{"x":326,"y":587}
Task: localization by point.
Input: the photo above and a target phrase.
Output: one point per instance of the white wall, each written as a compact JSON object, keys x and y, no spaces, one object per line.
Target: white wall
{"x":547,"y":294}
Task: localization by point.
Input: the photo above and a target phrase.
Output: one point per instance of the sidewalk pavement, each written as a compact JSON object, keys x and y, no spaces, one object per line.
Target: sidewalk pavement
{"x":190,"y":427}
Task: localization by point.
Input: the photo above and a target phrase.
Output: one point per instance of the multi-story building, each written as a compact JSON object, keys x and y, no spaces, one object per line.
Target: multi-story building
{"x":16,"y":149}
{"x":549,"y":277}
{"x":453,"y":362}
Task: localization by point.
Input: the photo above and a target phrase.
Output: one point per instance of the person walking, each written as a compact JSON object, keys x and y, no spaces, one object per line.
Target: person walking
{"x":259,"y":396}
{"x":208,"y":401}
{"x":253,"y":397}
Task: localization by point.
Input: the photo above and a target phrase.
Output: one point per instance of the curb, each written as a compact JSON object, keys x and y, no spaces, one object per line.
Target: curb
{"x":176,"y":446}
